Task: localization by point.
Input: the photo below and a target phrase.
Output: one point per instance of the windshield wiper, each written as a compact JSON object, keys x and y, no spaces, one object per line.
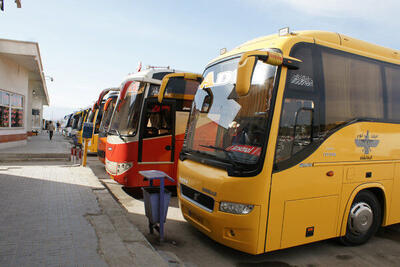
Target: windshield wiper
{"x":228,"y":153}
{"x":119,"y":135}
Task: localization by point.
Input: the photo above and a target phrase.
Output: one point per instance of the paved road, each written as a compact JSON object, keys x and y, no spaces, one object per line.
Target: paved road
{"x":195,"y":249}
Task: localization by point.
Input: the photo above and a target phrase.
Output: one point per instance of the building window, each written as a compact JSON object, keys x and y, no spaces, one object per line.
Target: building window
{"x":4,"y":109}
{"x":11,"y":110}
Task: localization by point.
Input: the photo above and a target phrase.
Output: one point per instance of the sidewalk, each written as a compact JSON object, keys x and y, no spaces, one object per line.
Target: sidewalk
{"x":54,"y":213}
{"x":63,"y":216}
{"x":38,"y":148}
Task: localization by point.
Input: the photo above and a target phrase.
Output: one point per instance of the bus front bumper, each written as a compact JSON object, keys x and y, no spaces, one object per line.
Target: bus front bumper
{"x":240,"y":232}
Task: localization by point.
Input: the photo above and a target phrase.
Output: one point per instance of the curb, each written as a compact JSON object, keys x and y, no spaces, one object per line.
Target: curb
{"x":141,"y":249}
{"x":14,"y":157}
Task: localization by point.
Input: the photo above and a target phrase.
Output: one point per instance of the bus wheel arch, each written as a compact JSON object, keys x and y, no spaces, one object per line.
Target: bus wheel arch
{"x":365,"y":212}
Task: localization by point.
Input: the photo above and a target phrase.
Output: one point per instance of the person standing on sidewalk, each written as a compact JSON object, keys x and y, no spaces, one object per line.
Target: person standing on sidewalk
{"x":51,"y":129}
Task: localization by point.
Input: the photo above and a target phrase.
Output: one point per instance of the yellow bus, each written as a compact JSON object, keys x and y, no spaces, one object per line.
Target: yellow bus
{"x":81,"y":121}
{"x":95,"y":116}
{"x":294,"y":138}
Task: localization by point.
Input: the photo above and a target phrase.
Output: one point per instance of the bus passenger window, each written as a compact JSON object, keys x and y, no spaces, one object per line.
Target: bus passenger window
{"x":393,"y":92}
{"x":158,"y":121}
{"x":353,"y":89}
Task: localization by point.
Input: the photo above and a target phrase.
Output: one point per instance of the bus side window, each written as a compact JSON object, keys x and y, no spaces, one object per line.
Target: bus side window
{"x":300,"y":114}
{"x":393,"y":92}
{"x":353,"y":89}
{"x":158,"y":120}
{"x":295,"y":130}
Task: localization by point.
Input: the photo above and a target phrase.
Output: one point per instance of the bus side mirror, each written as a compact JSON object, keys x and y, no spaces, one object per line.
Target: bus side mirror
{"x":248,"y":62}
{"x":175,"y":76}
{"x":105,"y":107}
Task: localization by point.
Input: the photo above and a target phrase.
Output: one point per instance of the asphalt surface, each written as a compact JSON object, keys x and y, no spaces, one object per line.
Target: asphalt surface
{"x":193,"y":248}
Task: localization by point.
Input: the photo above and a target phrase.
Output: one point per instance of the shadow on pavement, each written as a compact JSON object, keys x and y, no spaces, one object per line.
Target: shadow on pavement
{"x":196,"y":249}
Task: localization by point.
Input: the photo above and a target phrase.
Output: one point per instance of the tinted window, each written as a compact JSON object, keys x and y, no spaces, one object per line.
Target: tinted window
{"x":160,"y":75}
{"x":298,"y":113}
{"x":353,"y":89}
{"x":302,"y":79}
{"x":341,"y":87}
{"x":393,"y":92}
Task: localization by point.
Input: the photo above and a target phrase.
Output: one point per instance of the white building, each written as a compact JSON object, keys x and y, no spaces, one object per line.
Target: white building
{"x":23,"y":91}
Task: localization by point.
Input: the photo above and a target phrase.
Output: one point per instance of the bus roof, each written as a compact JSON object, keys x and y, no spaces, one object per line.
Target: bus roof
{"x":151,"y":75}
{"x":330,"y":39}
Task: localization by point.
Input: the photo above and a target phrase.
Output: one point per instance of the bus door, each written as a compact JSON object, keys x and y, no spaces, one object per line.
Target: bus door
{"x":157,"y":136}
{"x":305,"y":187}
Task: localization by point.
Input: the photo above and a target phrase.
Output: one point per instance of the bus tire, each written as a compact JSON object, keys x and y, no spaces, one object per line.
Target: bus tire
{"x":363,"y":220}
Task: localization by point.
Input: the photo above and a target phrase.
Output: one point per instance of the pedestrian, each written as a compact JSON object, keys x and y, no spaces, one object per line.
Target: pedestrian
{"x":58,"y":126}
{"x":51,"y":129}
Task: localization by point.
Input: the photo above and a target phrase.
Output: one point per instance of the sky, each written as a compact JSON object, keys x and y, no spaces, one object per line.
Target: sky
{"x":87,"y":46}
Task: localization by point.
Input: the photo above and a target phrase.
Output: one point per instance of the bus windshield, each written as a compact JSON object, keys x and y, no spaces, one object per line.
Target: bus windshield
{"x":69,"y":121}
{"x":105,"y":122}
{"x":81,"y":121}
{"x":90,"y":117}
{"x":127,"y":113}
{"x":76,"y":121}
{"x":224,"y":126}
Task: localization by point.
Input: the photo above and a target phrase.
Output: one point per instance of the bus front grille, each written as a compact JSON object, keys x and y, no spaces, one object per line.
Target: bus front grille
{"x":197,"y":198}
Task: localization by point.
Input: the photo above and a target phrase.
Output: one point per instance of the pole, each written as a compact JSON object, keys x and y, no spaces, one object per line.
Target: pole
{"x":162,"y":209}
{"x":85,"y":152}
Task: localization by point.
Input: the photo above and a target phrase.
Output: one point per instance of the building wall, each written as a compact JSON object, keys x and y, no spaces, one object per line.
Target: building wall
{"x":14,"y":78}
{"x":35,"y":101}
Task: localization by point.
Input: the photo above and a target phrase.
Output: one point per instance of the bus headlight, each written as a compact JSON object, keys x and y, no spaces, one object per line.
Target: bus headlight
{"x":115,"y":168}
{"x":235,"y":208}
{"x":123,"y":167}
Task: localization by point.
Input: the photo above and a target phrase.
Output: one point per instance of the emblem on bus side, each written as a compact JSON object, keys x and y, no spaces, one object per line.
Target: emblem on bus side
{"x":366,"y":142}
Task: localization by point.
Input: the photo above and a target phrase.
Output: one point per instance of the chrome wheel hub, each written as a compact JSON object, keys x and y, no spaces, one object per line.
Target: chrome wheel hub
{"x":360,"y":218}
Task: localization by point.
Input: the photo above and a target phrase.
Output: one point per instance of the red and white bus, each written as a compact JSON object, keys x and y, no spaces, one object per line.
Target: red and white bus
{"x":148,"y":124}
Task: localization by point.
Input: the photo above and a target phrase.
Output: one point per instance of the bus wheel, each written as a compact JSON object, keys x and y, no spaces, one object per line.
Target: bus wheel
{"x":364,"y":219}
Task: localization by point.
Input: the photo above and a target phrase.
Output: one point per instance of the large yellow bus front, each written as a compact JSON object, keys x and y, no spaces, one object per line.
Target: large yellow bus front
{"x":291,"y":140}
